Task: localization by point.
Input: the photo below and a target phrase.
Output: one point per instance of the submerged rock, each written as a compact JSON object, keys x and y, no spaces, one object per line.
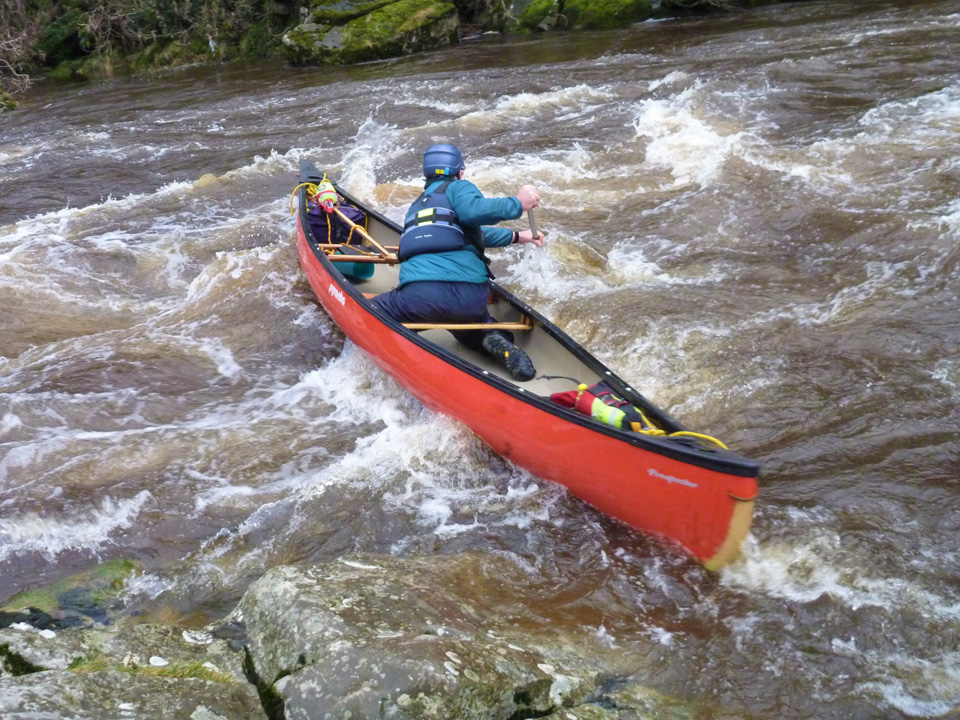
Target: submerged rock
{"x":82,"y":599}
{"x":382,"y":637}
{"x":350,"y":32}
{"x":447,"y":637}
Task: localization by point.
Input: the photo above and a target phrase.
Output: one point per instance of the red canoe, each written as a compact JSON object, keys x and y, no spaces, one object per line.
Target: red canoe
{"x":682,"y":487}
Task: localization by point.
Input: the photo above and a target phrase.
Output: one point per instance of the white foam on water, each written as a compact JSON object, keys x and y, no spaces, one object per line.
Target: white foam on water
{"x":882,"y":278}
{"x":561,"y":105}
{"x":83,"y":530}
{"x":412,"y":93}
{"x":947,"y":371}
{"x":374,"y":144}
{"x":9,"y":422}
{"x":814,"y":565}
{"x":951,"y":218}
{"x":604,"y":636}
{"x":540,"y":270}
{"x":559,"y":173}
{"x":632,"y":268}
{"x":359,"y":391}
{"x":448,"y":471}
{"x":917,"y":687}
{"x":682,"y":138}
{"x":890,"y":150}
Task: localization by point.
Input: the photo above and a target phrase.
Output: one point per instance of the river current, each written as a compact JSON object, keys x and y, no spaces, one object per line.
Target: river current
{"x":753,"y":218}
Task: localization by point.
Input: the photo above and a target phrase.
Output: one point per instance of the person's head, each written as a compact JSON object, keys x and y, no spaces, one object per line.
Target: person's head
{"x":442,"y":160}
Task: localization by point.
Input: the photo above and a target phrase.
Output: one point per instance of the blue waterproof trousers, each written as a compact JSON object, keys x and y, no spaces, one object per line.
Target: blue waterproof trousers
{"x":432,"y":301}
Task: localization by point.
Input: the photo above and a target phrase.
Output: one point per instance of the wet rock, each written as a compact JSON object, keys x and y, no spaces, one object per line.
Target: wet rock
{"x":383,"y":637}
{"x":137,"y":671}
{"x":335,"y":35}
{"x":130,"y":648}
{"x":602,"y":14}
{"x":541,"y":15}
{"x":93,"y":696}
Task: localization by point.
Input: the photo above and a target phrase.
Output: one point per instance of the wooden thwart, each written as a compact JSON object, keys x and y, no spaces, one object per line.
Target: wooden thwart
{"x":335,"y":246}
{"x":362,"y":259}
{"x":469,"y":326}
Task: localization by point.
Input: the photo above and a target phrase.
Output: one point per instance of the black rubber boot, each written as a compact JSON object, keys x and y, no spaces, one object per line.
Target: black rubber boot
{"x":515,"y":360}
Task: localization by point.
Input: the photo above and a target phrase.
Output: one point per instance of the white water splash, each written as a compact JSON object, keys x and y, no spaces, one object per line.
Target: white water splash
{"x":87,"y":530}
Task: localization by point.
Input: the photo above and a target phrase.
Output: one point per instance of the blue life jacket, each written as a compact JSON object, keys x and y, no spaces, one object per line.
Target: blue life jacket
{"x":432,"y":226}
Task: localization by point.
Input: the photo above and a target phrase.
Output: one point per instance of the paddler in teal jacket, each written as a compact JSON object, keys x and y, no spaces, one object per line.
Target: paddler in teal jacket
{"x":443,"y":271}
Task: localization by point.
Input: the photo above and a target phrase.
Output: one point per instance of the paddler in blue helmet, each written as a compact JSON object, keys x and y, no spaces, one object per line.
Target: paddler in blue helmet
{"x":443,"y":272}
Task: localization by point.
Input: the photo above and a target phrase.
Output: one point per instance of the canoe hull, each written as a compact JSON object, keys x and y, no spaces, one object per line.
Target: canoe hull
{"x":706,"y":511}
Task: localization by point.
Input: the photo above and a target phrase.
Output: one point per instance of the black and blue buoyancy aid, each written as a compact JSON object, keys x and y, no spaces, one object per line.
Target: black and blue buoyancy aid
{"x":435,"y":228}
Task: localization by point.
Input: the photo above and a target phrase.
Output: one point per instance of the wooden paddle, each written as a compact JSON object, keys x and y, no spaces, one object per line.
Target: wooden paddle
{"x":353,"y":226}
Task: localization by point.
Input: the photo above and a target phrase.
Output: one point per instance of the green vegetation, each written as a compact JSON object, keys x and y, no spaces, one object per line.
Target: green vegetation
{"x":601,"y":14}
{"x":13,"y":663}
{"x":101,"y":663}
{"x":397,"y":28}
{"x":69,"y":39}
{"x":87,"y":38}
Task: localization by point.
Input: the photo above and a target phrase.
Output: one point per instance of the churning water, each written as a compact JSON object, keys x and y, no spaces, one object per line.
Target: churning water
{"x":754,"y":219}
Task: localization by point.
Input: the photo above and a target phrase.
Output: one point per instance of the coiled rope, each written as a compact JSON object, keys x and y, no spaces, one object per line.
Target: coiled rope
{"x":312,"y":191}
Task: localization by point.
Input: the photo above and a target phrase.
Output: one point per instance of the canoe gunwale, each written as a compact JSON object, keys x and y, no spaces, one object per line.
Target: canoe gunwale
{"x":718,"y":460}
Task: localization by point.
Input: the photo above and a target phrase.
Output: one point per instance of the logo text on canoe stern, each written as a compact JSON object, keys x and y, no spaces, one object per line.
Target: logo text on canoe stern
{"x":338,"y":294}
{"x":671,"y":478}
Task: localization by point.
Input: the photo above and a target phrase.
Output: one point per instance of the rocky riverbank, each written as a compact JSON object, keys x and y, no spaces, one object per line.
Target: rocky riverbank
{"x":72,"y":39}
{"x":359,"y":637}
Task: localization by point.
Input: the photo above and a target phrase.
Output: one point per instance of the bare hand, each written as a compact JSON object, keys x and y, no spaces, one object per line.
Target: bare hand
{"x":526,"y":236}
{"x":529,"y":197}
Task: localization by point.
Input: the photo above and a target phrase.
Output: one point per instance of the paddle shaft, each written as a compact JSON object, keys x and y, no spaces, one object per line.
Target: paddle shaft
{"x":351,"y":224}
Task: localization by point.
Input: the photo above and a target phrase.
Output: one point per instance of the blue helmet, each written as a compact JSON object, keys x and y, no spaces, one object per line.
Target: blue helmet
{"x":442,"y":159}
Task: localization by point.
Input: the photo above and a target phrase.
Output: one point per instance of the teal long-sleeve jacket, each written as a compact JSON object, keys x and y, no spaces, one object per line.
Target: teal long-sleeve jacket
{"x":474,"y":210}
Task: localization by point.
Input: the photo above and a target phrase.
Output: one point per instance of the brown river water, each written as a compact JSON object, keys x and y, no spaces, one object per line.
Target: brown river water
{"x":754,"y":219}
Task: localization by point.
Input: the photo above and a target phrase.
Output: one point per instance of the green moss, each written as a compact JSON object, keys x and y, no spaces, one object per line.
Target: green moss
{"x":339,"y":12}
{"x":15,"y":664}
{"x":400,"y":28}
{"x":7,"y":102}
{"x":535,"y":13}
{"x":385,"y":32}
{"x":603,"y":14}
{"x":100,"y":663}
{"x":91,"y":593}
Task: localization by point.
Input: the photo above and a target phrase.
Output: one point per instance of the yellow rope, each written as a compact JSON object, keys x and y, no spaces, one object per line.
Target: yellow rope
{"x":657,"y":432}
{"x":687,"y":433}
{"x":312,"y":190}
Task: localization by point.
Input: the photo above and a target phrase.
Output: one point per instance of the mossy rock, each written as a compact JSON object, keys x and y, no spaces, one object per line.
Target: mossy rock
{"x":605,"y":14}
{"x":78,"y":599}
{"x":399,"y":28}
{"x":536,"y":15}
{"x":340,"y":12}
